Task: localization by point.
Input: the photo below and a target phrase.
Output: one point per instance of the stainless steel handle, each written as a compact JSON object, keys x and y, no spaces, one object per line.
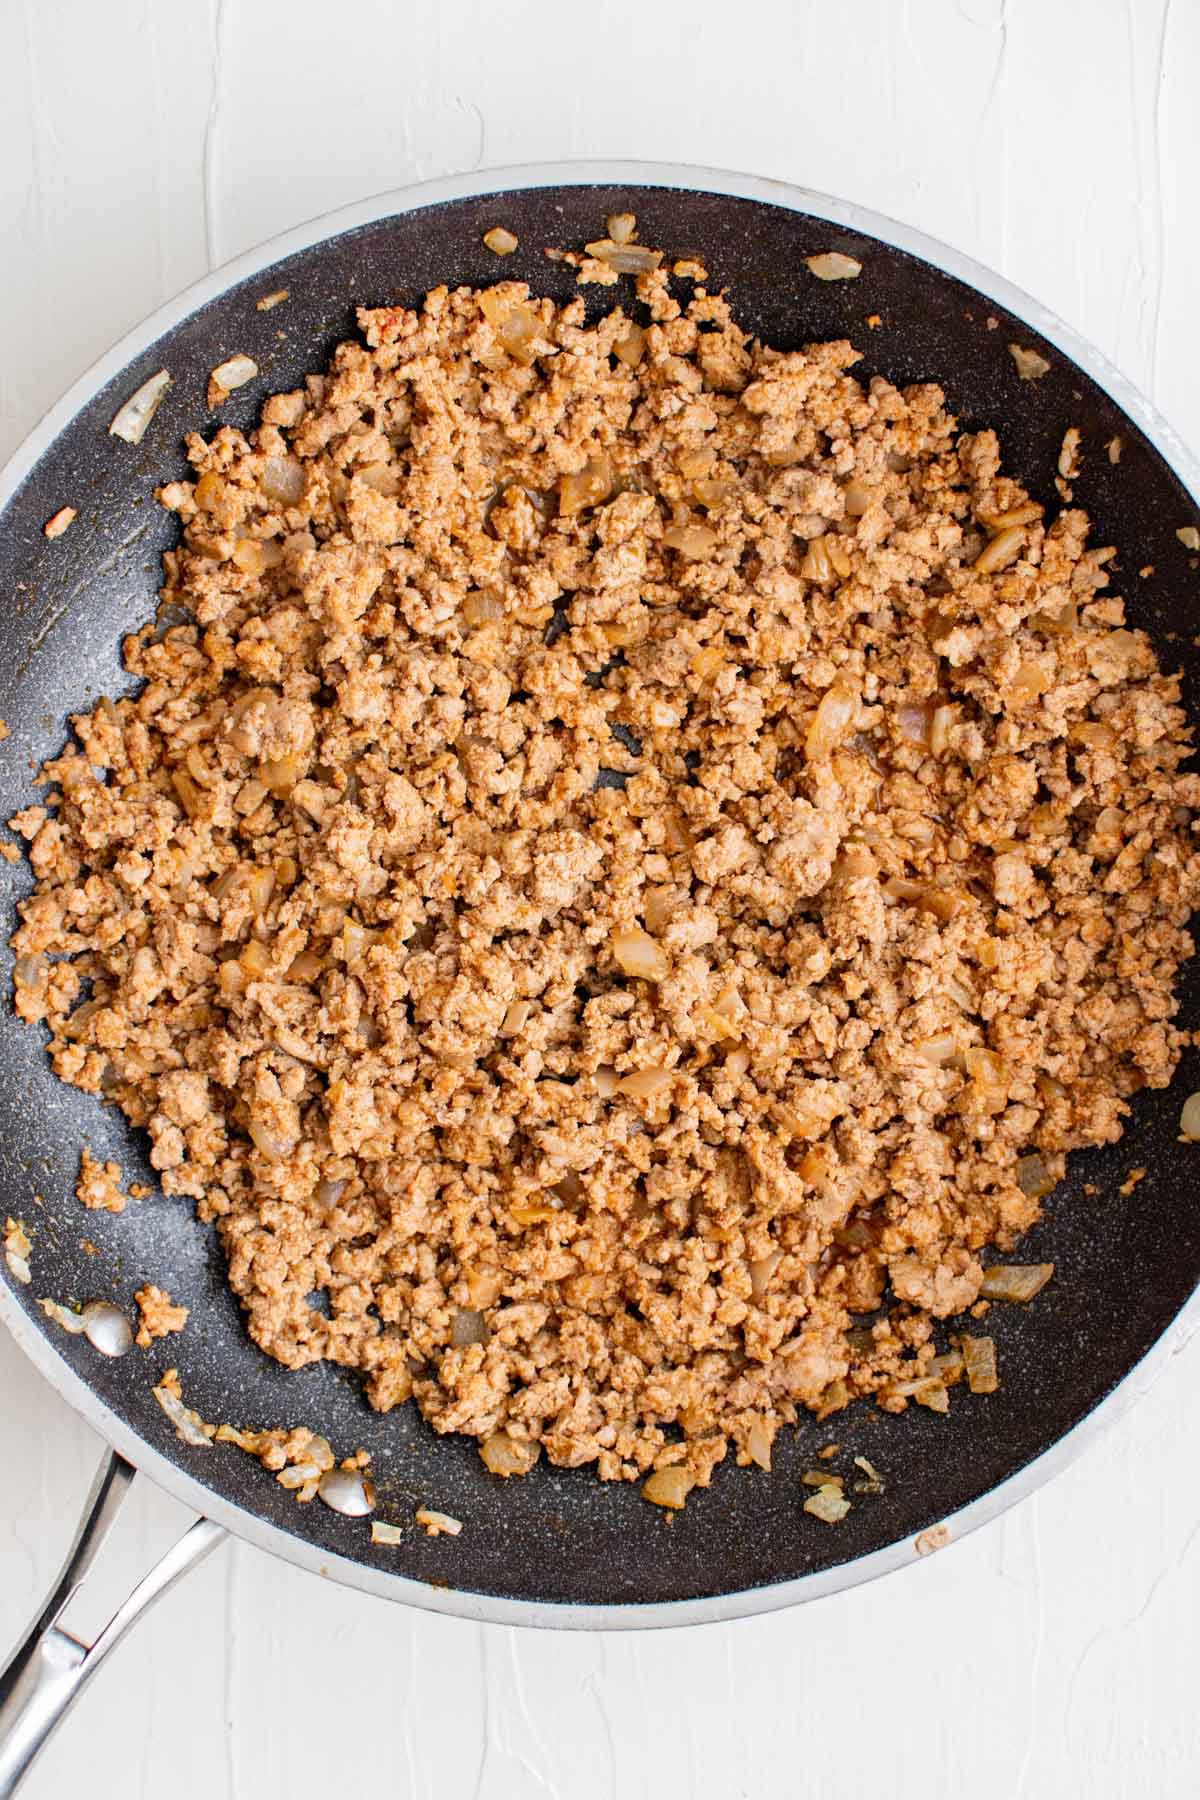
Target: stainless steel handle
{"x":49,"y":1669}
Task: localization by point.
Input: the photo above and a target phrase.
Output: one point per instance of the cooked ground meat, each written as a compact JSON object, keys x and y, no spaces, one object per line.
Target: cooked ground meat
{"x":159,"y":1315}
{"x":626,"y":838}
{"x":99,"y":1185}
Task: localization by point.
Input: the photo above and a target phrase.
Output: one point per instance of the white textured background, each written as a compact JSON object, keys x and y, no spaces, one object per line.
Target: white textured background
{"x":1055,"y":1653}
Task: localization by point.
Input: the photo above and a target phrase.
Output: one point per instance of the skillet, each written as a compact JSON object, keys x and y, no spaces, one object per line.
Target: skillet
{"x":558,"y":1548}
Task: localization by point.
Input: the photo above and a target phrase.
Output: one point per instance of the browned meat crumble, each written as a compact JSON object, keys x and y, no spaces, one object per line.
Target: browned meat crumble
{"x":159,"y":1316}
{"x":99,"y":1184}
{"x":617,"y":1121}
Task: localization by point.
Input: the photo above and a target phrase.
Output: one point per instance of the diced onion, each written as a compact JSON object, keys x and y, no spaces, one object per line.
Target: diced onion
{"x":382,"y":1533}
{"x":515,"y":324}
{"x":435,"y":1523}
{"x":468,"y":1328}
{"x":832,"y":265}
{"x":482,"y":606}
{"x":233,"y":373}
{"x":133,"y":419}
{"x":504,"y":1455}
{"x":758,"y":1443}
{"x":637,"y":953}
{"x":1068,"y":456}
{"x":1189,"y":1118}
{"x":761,"y":1270}
{"x":626,"y":259}
{"x":831,"y":721}
{"x":1025,"y":514}
{"x":347,"y":1491}
{"x":63,"y":1315}
{"x":828,"y":1504}
{"x":717,"y":1022}
{"x":1030,"y":365}
{"x":692,"y":464}
{"x":1015,"y":1281}
{"x":643,"y":1084}
{"x":940,"y":726}
{"x":938,"y":1052}
{"x":276,"y":1145}
{"x":1000,"y":550}
{"x":589,"y":487}
{"x":913,"y":723}
{"x":669,"y":1487}
{"x":711,"y":494}
{"x":517,"y":1015}
{"x":979,"y":1359}
{"x":1033,"y":1177}
{"x":282,"y":480}
{"x":989,"y":1078}
{"x":693,"y":541}
{"x":631,"y":348}
{"x":17,"y":1250}
{"x":484,"y":1286}
{"x":189,"y":1426}
{"x":106,"y":1328}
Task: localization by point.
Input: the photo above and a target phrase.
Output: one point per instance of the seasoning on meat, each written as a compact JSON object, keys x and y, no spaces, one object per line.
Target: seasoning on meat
{"x":99,"y":1185}
{"x":159,"y":1315}
{"x":627,"y":839}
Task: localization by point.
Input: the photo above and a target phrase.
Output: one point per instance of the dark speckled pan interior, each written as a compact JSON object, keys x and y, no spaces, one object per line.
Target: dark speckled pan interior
{"x":1125,"y":1264}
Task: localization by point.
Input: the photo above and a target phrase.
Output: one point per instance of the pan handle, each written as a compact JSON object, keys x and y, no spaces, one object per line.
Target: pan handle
{"x":49,"y":1669}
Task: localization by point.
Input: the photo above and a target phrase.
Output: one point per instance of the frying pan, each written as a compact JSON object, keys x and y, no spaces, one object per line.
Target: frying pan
{"x":558,"y":1548}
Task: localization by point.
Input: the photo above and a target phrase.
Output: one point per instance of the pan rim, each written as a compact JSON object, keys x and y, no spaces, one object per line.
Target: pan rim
{"x":275,"y":1540}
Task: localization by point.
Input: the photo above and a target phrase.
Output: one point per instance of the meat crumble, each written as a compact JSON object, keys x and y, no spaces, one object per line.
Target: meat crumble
{"x":159,"y":1316}
{"x":635,"y":857}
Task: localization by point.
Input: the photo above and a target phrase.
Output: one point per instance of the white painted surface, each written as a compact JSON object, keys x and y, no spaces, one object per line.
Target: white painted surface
{"x":1054,"y":1653}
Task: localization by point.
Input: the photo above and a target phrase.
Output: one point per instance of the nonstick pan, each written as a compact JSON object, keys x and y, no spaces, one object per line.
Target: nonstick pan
{"x":558,"y":1548}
